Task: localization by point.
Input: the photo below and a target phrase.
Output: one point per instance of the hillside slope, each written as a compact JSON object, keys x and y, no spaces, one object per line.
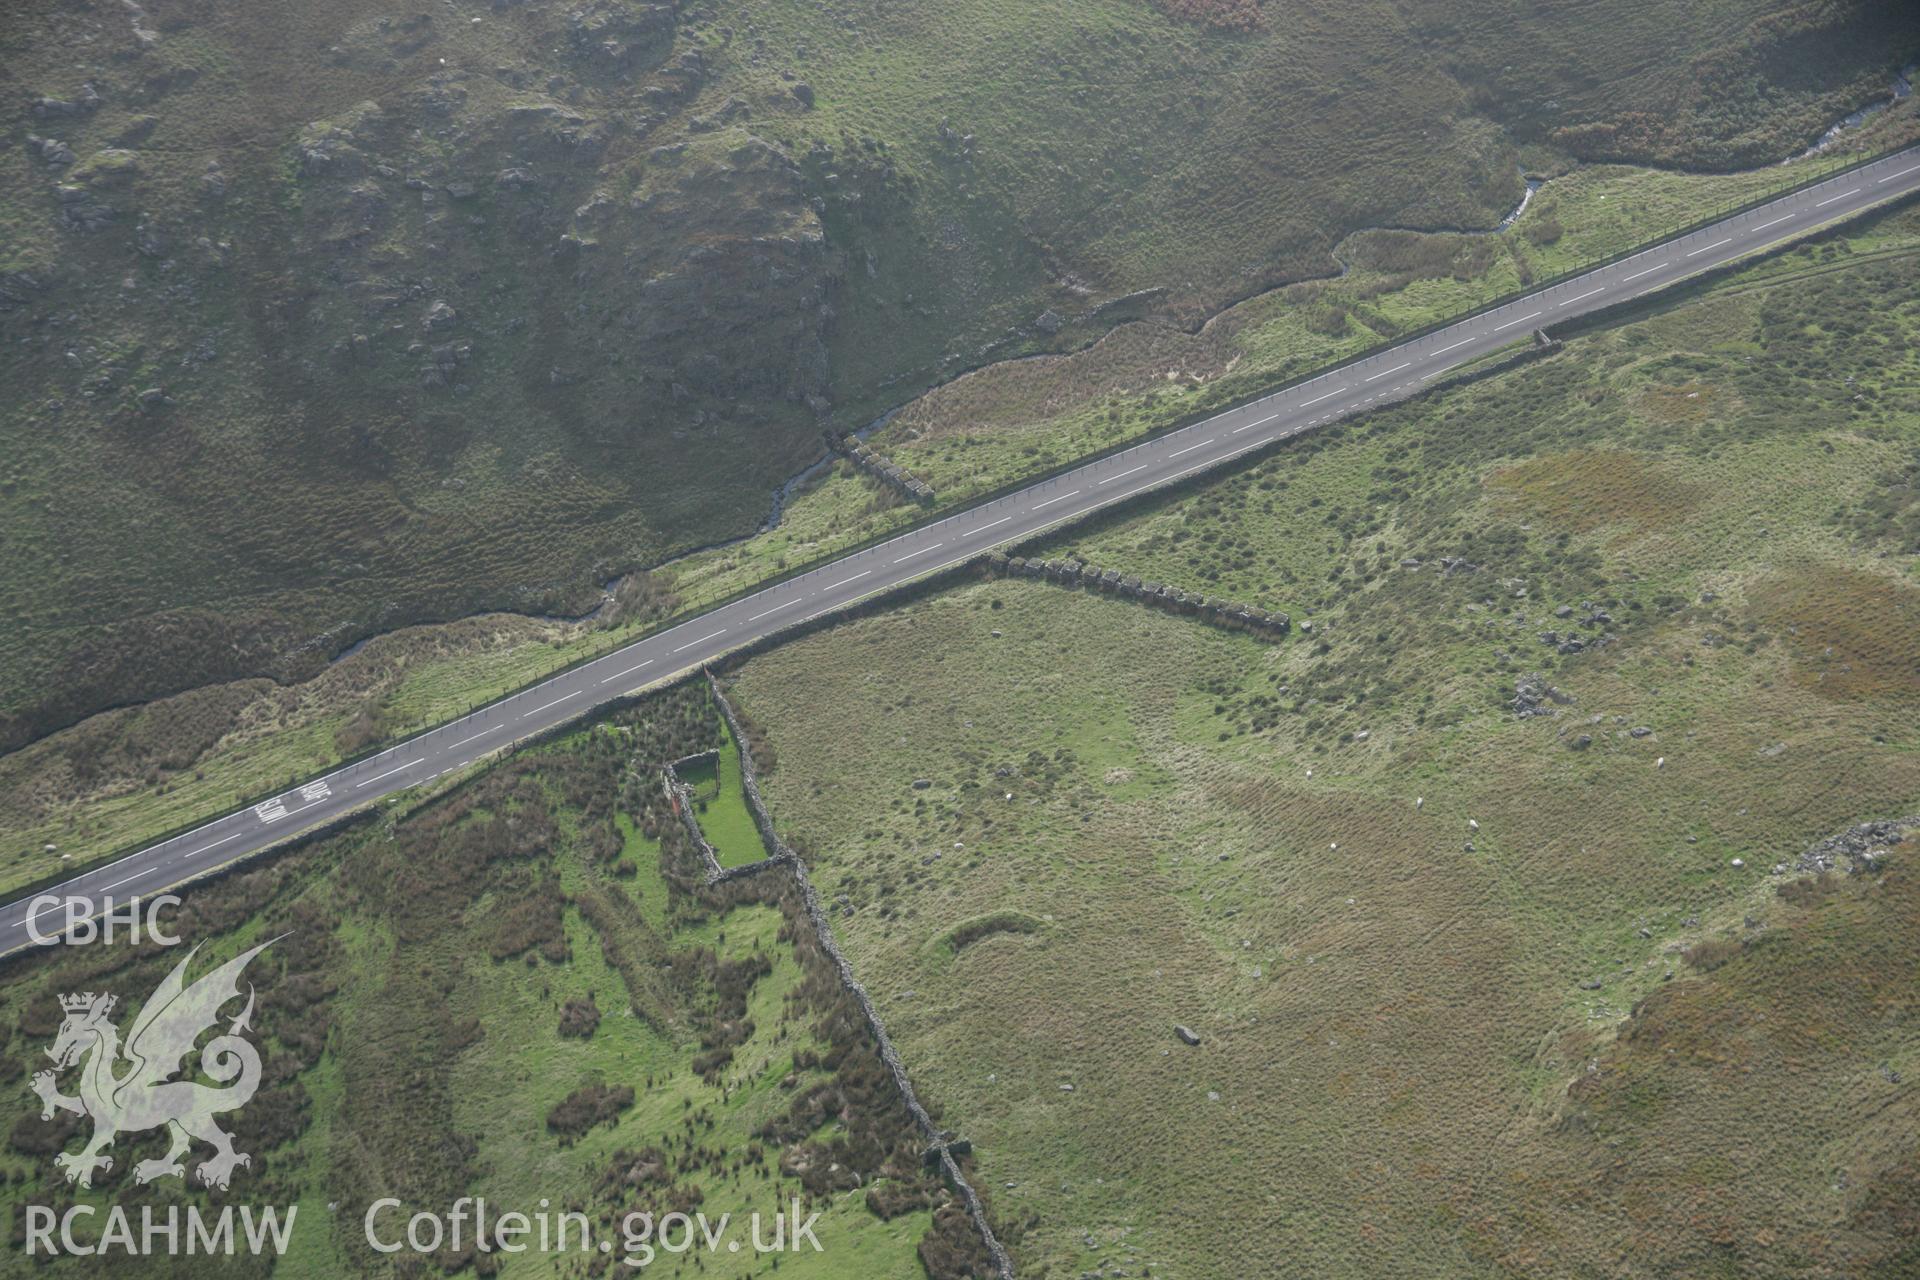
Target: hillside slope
{"x":323,"y":320}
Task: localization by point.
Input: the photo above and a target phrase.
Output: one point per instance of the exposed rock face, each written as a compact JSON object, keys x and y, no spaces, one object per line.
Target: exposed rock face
{"x":709,"y":283}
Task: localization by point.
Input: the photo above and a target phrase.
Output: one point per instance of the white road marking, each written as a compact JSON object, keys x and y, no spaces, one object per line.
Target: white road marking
{"x":31,"y":916}
{"x":843,"y":582}
{"x":1776,"y":222}
{"x":1330,"y":395}
{"x":496,"y":728}
{"x":1251,"y":425}
{"x":702,"y":640}
{"x":756,"y":617}
{"x":551,"y":705}
{"x":1706,"y":247}
{"x":1124,"y":474}
{"x":1830,"y":199}
{"x":1036,"y":506}
{"x":1397,"y":368}
{"x":388,"y":774}
{"x":1190,"y":448}
{"x":270,"y":810}
{"x":1649,"y":271}
{"x":1522,"y":320}
{"x":1463,"y":342}
{"x":135,"y":876}
{"x":1583,"y":297}
{"x":1003,"y":519}
{"x":922,"y":551}
{"x":1903,"y":173}
{"x":215,"y":845}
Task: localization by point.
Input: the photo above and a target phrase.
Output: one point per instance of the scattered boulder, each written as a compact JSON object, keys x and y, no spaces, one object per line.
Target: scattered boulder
{"x":1187,"y":1034}
{"x":51,"y":151}
{"x":1532,"y":693}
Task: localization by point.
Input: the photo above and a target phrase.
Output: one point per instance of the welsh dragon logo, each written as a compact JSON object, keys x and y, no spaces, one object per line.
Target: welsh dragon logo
{"x":145,"y":1095}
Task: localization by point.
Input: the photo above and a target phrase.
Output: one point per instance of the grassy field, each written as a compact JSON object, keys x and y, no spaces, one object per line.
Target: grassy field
{"x":516,"y":990}
{"x":1477,"y":993}
{"x":324,"y":325}
{"x":720,"y":806}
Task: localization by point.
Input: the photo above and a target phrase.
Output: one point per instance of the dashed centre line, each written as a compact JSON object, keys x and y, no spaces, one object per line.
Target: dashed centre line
{"x":1522,"y":320}
{"x":1124,"y":474}
{"x":1830,"y":199}
{"x":1903,"y":173}
{"x":768,"y":614}
{"x":551,"y":705}
{"x":922,"y":551}
{"x":389,"y":773}
{"x":1776,"y":222}
{"x":1189,"y":449}
{"x":130,"y":879}
{"x":1376,"y":377}
{"x":1330,"y":395}
{"x":1705,"y":248}
{"x":1036,"y":506}
{"x":1583,"y":297}
{"x":496,"y":728}
{"x":215,"y":845}
{"x":843,"y":582}
{"x":702,"y":640}
{"x":1649,"y":271}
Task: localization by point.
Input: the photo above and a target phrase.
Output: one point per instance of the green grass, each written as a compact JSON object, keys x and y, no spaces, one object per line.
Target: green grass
{"x":720,"y":806}
{"x":1419,"y":1047}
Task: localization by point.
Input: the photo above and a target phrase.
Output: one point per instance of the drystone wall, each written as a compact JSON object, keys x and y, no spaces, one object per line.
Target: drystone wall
{"x":943,"y":1148}
{"x":1158,"y":595}
{"x":879,"y":466}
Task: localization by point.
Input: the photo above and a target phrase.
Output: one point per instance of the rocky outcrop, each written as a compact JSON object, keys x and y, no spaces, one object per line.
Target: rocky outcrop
{"x":1864,"y":848}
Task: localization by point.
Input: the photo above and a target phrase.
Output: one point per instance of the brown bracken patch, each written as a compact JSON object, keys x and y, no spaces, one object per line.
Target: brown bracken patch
{"x":1589,"y":488}
{"x":1688,"y":403}
{"x":1853,"y":634}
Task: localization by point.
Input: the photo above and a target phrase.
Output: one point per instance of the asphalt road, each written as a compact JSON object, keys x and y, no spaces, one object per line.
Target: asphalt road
{"x":1392,"y":374}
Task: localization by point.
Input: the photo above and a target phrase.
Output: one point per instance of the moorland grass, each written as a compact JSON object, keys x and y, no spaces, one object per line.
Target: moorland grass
{"x":1434,"y":951}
